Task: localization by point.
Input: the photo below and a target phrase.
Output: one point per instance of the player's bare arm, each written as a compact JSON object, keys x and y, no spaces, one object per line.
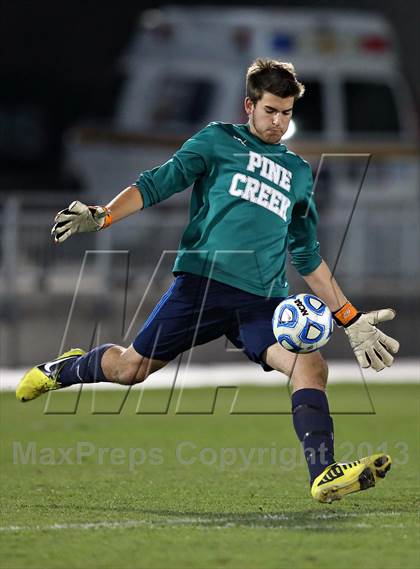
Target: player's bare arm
{"x":81,"y":218}
{"x":372,"y":347}
{"x":126,"y":203}
{"x":324,"y":285}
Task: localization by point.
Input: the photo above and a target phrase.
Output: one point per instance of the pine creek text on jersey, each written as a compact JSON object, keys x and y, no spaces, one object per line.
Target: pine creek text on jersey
{"x":260,"y":193}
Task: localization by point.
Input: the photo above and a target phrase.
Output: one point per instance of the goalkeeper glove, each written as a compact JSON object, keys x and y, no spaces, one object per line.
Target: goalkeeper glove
{"x":80,"y":218}
{"x":371,"y":347}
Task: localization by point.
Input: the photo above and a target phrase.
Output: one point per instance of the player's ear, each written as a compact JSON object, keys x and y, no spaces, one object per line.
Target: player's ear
{"x":249,"y":105}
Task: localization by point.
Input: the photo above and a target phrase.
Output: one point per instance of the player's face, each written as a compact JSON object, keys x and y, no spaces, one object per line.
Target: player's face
{"x":270,"y":116}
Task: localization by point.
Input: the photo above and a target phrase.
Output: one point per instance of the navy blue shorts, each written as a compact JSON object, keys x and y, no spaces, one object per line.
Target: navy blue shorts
{"x":195,"y":310}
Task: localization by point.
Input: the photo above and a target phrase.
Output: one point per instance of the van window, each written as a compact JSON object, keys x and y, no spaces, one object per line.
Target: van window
{"x":181,"y":101}
{"x":369,"y":108}
{"x":308,"y":112}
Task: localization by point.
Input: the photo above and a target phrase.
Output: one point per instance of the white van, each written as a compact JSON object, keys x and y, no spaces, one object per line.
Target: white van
{"x":185,"y":67}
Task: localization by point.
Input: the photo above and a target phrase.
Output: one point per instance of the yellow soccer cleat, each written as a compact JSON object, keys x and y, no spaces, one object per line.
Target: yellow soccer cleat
{"x":44,"y":377}
{"x":343,"y":478}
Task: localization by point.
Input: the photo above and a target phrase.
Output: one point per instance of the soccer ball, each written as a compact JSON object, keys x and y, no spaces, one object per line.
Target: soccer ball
{"x":302,"y":323}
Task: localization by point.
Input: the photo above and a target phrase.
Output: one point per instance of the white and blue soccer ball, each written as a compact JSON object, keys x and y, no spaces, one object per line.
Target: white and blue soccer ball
{"x":302,"y":323}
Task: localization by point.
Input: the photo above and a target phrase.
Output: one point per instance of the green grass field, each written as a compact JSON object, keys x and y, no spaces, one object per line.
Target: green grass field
{"x":191,"y":490}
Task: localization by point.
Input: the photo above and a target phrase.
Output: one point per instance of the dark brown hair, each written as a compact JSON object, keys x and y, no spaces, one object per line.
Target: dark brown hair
{"x":276,"y":77}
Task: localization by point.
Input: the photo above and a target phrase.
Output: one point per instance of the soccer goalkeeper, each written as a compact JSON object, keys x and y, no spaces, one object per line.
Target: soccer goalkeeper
{"x":251,"y":202}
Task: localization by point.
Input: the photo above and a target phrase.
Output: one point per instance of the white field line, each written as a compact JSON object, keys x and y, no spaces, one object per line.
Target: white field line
{"x":403,"y":371}
{"x":261,"y":522}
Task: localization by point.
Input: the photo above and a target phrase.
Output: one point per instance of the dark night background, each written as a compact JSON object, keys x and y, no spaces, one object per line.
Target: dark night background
{"x":59,"y":65}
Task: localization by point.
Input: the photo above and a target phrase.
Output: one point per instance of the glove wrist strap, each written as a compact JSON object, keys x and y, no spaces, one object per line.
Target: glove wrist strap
{"x":108,"y":218}
{"x":101,"y":212}
{"x":346,"y":315}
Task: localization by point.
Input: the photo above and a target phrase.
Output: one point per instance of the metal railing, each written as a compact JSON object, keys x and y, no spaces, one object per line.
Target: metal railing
{"x":379,"y":258}
{"x":381,"y":248}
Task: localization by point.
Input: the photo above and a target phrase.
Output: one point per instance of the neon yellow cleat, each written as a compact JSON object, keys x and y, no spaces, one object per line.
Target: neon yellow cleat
{"x":43,"y":377}
{"x":343,"y":478}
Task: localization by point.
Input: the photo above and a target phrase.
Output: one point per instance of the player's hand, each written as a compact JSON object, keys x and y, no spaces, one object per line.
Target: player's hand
{"x":78,"y":218}
{"x":372,"y":347}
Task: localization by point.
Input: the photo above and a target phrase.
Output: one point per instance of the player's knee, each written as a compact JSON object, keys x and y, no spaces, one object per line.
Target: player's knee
{"x":130,"y":374}
{"x":143,"y":372}
{"x":321,"y":372}
{"x":313,"y":375}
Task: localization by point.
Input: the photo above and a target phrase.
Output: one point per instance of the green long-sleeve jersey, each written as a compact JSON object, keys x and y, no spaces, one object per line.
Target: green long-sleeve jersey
{"x":250,"y":203}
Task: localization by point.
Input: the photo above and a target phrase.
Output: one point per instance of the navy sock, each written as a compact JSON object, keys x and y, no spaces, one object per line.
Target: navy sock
{"x":84,"y":369}
{"x":314,"y":428}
